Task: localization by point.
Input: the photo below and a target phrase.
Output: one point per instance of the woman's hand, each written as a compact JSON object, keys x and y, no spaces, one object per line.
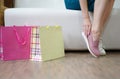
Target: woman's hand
{"x":87,"y":26}
{"x":86,"y":18}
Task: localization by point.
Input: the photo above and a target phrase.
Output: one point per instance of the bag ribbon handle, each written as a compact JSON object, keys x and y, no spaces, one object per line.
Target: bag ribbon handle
{"x":24,"y":41}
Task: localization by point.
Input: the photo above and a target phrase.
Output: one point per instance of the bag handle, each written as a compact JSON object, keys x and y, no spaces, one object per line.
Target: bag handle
{"x":22,"y":42}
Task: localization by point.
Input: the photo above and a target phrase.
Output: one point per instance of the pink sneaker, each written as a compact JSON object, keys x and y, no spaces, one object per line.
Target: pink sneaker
{"x":93,"y":46}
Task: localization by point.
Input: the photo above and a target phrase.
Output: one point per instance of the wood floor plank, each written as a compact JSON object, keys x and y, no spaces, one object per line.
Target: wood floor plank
{"x":72,"y":66}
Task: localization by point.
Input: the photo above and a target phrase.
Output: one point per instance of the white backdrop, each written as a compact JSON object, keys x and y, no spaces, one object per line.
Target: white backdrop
{"x":55,"y":4}
{"x":117,"y":4}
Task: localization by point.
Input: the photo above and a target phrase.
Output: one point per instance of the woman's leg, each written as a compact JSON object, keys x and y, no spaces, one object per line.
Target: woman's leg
{"x":108,"y":11}
{"x":101,"y":13}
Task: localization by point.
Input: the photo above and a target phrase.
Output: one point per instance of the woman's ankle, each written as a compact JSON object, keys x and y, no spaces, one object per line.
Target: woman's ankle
{"x":96,"y":35}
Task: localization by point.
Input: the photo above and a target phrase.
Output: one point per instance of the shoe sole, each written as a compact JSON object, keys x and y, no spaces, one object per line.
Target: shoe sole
{"x":86,"y":41}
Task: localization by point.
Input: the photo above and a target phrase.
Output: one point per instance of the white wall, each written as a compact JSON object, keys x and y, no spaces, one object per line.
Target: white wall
{"x":55,"y":4}
{"x":117,"y":4}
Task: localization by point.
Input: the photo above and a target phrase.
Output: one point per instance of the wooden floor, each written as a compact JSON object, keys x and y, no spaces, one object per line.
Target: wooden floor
{"x":72,"y":66}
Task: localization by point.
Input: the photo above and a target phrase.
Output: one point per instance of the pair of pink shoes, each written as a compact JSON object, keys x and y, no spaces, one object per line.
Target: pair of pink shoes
{"x":95,"y":47}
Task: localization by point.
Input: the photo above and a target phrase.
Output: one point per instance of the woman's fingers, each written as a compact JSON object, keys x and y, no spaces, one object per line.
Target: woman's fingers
{"x":87,"y":29}
{"x":87,"y":26}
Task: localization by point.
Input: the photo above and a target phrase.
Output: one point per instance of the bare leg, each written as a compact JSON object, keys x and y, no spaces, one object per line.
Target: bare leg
{"x":108,"y":11}
{"x":100,"y":12}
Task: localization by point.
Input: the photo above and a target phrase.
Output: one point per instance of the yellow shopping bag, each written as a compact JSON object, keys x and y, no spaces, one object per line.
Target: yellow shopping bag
{"x":50,"y":43}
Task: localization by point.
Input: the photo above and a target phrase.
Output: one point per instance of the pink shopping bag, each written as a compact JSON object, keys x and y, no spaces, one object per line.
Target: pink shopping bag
{"x":16,"y":43}
{"x":0,"y":43}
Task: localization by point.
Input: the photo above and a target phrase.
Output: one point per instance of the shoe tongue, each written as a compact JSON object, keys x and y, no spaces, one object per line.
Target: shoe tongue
{"x":96,"y":43}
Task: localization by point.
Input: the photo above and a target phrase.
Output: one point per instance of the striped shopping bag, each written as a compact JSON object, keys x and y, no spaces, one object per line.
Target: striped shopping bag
{"x":35,"y":44}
